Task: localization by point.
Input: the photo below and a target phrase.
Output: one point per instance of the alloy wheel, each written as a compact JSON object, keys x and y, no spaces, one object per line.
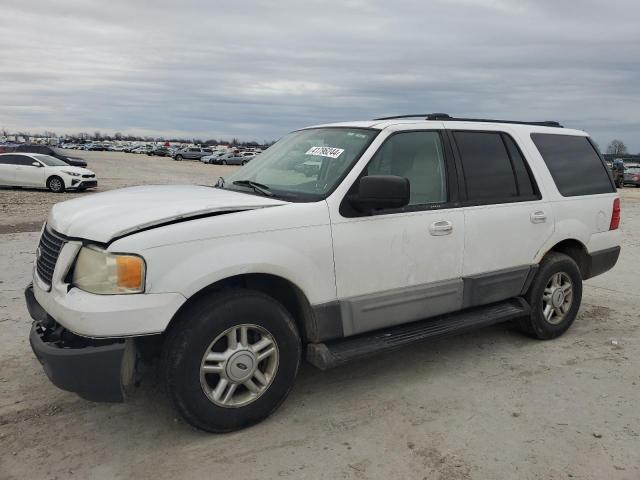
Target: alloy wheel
{"x":557,"y":298}
{"x":239,"y":365}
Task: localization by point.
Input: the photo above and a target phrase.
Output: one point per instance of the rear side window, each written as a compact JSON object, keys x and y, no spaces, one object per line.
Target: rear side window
{"x":8,"y":159}
{"x":494,"y":169}
{"x":574,"y":164}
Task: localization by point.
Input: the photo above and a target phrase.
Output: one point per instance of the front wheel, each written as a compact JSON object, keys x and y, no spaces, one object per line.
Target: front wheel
{"x":223,"y":162}
{"x":554,"y":297}
{"x":231,"y":360}
{"x":179,"y":158}
{"x":55,"y":184}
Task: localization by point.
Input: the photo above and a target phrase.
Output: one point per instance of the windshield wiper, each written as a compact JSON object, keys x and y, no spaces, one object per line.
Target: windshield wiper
{"x":257,"y":187}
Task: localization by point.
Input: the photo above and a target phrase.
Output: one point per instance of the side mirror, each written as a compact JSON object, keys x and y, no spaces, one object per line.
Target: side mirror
{"x":36,"y":164}
{"x":378,"y":192}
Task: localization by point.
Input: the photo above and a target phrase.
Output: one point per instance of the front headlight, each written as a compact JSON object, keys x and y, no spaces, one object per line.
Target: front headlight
{"x":73,"y":174}
{"x":101,"y":272}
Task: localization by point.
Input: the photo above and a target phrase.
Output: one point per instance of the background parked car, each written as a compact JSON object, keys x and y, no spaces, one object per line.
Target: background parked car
{"x":192,"y":153}
{"x":141,"y":149}
{"x":240,"y":158}
{"x":53,"y":152}
{"x":160,"y":152}
{"x":632,"y":175}
{"x":43,"y":171}
{"x":212,"y":159}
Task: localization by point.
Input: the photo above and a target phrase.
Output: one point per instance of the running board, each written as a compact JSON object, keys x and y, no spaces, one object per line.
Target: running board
{"x":338,"y":352}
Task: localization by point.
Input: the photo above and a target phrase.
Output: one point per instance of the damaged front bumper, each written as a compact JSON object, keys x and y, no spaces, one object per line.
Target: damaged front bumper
{"x":100,"y":370}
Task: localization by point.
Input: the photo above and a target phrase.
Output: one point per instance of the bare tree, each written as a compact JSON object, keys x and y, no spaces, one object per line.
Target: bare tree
{"x":617,"y":147}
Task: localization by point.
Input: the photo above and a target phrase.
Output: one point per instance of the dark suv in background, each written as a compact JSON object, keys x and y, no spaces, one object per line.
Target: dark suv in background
{"x":54,"y":152}
{"x":160,"y":152}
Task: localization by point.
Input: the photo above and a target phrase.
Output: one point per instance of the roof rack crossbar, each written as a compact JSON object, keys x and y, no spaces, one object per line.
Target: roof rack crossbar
{"x":445,"y":117}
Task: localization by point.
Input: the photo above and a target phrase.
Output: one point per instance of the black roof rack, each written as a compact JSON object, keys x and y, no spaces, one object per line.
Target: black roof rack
{"x":446,"y":117}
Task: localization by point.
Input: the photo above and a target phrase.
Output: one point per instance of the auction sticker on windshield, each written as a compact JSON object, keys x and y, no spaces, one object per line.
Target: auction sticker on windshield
{"x":330,"y":152}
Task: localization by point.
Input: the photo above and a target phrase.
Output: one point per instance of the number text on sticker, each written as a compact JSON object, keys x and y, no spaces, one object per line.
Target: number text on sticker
{"x":330,"y":152}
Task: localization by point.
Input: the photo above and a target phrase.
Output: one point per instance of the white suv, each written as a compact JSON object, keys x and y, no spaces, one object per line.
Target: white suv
{"x":43,"y":171}
{"x":410,"y":228}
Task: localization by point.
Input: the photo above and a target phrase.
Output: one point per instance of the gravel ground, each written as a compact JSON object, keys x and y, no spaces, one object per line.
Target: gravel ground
{"x":490,"y":404}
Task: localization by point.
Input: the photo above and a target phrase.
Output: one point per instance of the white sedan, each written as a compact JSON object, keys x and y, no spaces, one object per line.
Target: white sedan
{"x":43,"y":171}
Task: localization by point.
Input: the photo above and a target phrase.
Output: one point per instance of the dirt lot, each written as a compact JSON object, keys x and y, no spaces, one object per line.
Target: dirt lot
{"x":487,"y":405}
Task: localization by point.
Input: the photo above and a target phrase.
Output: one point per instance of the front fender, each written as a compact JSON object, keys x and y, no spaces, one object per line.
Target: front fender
{"x":302,"y":256}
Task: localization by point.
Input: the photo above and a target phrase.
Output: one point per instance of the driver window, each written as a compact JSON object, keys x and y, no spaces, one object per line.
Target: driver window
{"x":419,"y":157}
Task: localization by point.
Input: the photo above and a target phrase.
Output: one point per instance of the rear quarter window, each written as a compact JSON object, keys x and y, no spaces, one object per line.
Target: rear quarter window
{"x":574,"y":164}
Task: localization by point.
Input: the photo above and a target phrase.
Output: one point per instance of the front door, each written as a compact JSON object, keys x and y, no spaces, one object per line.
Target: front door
{"x":401,"y":265}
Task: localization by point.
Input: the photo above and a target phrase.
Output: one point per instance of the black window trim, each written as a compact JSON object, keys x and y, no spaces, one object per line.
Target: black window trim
{"x":464,"y":197}
{"x":453,"y":186}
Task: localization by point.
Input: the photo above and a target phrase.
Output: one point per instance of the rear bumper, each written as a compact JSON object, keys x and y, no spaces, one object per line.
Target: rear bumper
{"x":602,"y":261}
{"x":96,"y":370}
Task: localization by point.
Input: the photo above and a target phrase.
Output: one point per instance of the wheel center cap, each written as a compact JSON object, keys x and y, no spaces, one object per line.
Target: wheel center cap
{"x":557,"y":298}
{"x":240,"y":366}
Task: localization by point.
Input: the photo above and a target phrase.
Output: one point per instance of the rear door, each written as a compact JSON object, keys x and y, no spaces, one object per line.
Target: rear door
{"x":7,"y":169}
{"x":506,"y":219}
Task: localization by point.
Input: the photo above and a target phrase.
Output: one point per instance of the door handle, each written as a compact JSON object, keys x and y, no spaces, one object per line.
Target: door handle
{"x":538,"y":217}
{"x":443,"y":227}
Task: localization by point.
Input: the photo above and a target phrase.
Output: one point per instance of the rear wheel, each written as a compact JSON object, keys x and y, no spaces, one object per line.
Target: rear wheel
{"x":55,"y":184}
{"x":223,"y":162}
{"x":231,"y":360}
{"x":554,"y":296}
{"x":179,"y":158}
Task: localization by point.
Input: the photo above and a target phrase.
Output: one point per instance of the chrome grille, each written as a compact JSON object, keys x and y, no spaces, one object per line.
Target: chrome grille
{"x":47,"y":254}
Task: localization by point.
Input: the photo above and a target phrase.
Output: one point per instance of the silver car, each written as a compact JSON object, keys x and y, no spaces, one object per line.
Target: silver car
{"x":632,"y":175}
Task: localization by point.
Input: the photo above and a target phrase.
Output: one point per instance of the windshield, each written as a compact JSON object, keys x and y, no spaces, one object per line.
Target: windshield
{"x":50,"y":161}
{"x":306,"y":164}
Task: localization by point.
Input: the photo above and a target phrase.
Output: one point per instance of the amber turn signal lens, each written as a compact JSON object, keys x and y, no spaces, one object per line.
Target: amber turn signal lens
{"x":130,"y":271}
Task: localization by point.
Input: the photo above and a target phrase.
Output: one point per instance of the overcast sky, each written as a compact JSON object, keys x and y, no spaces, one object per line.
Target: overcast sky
{"x":258,"y":69}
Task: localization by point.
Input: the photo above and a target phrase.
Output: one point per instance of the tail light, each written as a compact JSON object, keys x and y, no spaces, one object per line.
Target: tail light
{"x":615,"y":215}
{"x":637,"y":178}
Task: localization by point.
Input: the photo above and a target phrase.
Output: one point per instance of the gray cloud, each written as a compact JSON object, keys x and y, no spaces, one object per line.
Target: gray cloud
{"x":258,"y":69}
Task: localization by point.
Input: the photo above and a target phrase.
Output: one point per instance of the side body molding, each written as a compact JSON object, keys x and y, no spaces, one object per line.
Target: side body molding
{"x":364,"y":313}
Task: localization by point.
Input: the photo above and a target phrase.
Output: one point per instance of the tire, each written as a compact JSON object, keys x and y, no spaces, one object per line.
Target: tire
{"x":542,"y":295}
{"x":195,"y":337}
{"x":223,"y":162}
{"x":179,"y":158}
{"x":55,"y":184}
{"x":244,"y":162}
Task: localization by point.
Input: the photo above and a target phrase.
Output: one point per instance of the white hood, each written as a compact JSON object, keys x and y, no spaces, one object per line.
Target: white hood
{"x":104,"y":216}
